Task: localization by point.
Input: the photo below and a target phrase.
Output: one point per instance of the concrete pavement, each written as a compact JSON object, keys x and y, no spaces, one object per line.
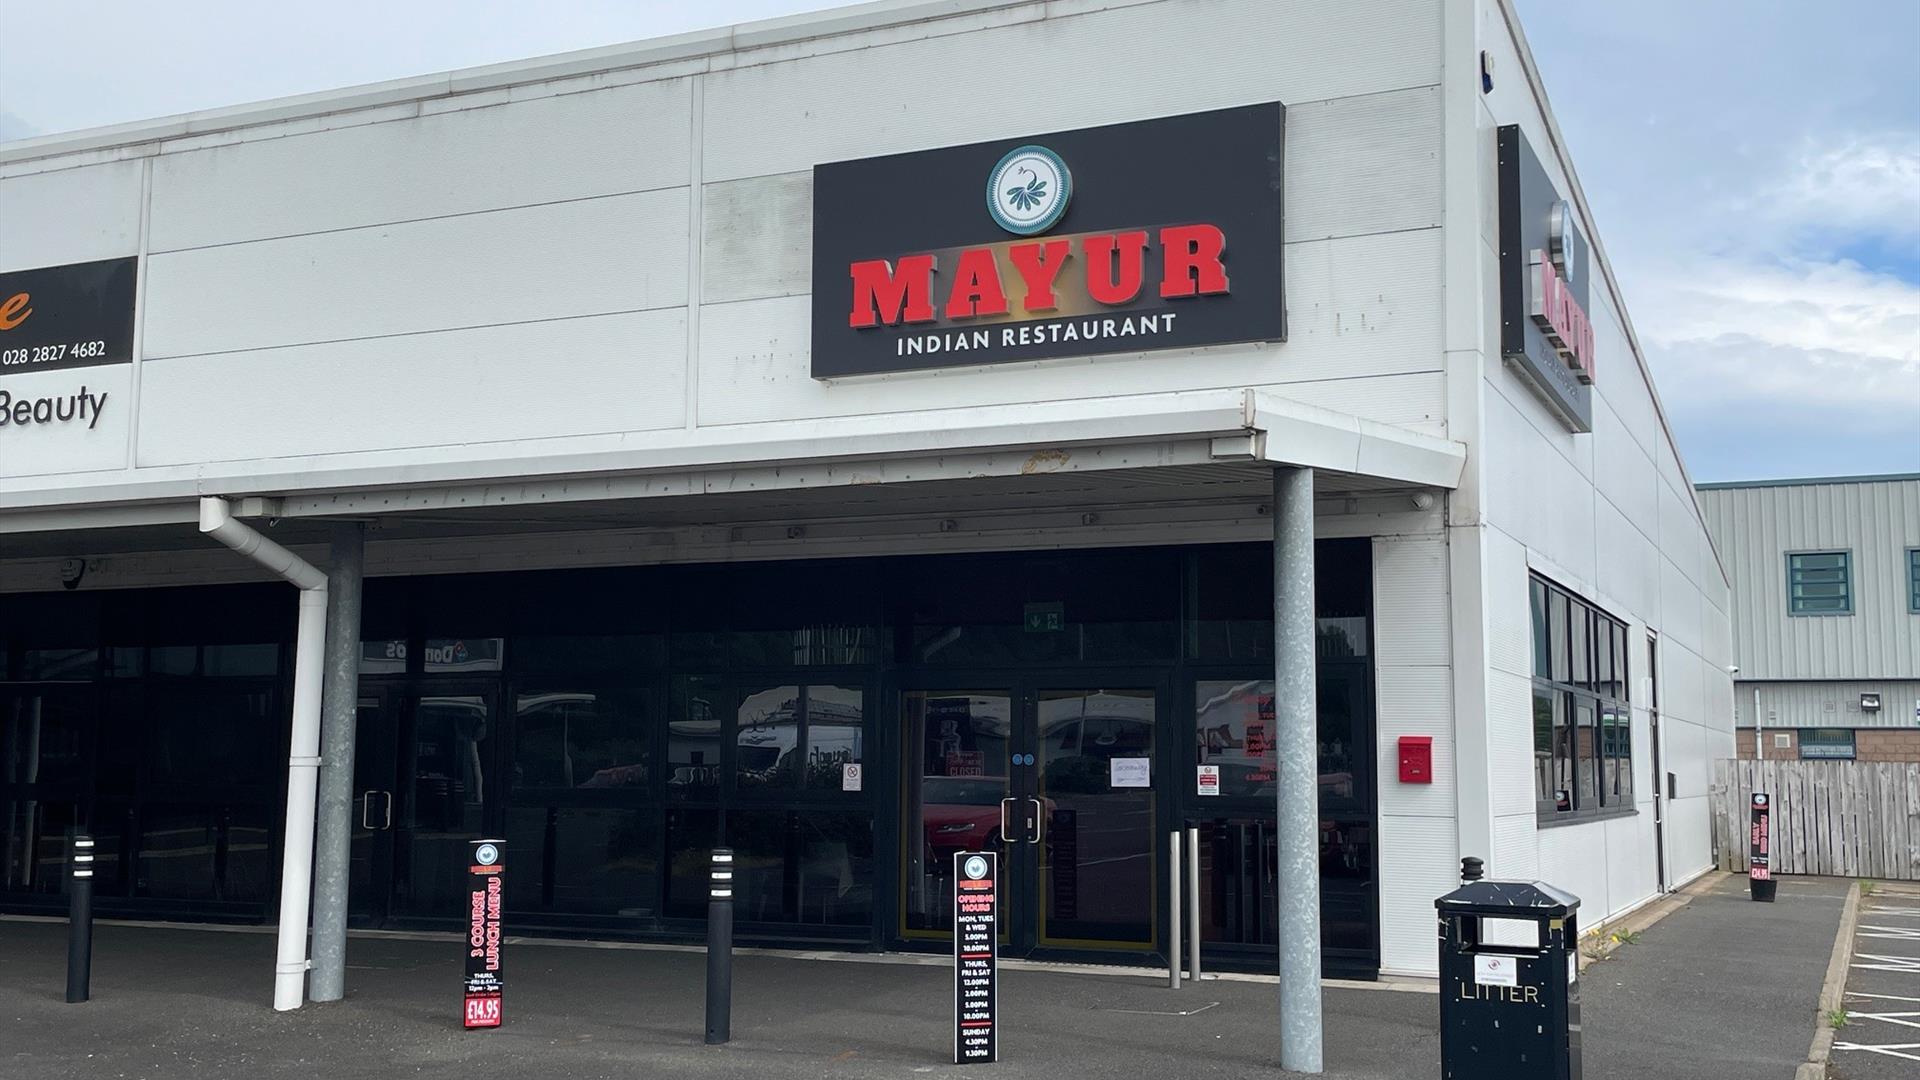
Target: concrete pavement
{"x":1720,"y":990}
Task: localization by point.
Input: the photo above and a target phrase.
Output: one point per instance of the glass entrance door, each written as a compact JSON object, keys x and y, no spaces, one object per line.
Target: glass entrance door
{"x":375,"y":798}
{"x":1059,"y":782}
{"x":1093,"y":778}
{"x":447,"y":793}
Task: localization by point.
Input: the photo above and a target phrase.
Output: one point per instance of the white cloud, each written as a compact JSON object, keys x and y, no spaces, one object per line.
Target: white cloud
{"x":1864,"y":183}
{"x":1807,"y":333}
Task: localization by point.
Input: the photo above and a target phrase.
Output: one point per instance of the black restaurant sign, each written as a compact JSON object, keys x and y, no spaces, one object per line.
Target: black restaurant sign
{"x":486,"y":894}
{"x":1156,"y":234}
{"x":1545,"y":286}
{"x":976,"y":991}
{"x":72,"y":316}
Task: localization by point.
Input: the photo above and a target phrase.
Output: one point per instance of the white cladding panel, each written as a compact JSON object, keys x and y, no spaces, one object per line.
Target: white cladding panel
{"x":1608,"y":515}
{"x":574,"y":146}
{"x":1101,"y":67}
{"x":319,"y":254}
{"x":1877,"y":521}
{"x":1418,"y":862}
{"x":556,"y":261}
{"x":70,"y":216}
{"x":622,"y":373}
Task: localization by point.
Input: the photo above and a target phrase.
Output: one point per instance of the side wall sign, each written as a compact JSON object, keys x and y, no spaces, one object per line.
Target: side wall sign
{"x":1158,"y":234}
{"x":1545,"y":334}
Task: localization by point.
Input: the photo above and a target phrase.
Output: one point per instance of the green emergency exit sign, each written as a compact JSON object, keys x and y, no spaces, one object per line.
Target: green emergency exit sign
{"x":1047,"y":618}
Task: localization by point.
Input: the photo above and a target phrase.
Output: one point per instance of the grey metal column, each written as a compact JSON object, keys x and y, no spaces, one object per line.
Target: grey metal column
{"x":340,"y":694}
{"x":1296,"y":751}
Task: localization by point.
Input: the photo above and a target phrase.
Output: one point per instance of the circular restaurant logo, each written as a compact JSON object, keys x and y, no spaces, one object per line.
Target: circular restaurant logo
{"x":486,"y":854}
{"x":1028,"y":191}
{"x":975,"y":867}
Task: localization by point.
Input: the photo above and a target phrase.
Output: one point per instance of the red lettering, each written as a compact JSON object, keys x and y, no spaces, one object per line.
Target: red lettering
{"x":1040,"y":265}
{"x":1192,"y":261}
{"x":1106,"y":282}
{"x":902,"y":294}
{"x":976,"y":286}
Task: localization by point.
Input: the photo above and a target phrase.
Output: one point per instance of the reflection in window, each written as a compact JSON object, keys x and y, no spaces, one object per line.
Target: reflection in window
{"x":462,"y":654}
{"x":1582,"y":725}
{"x":581,"y":738}
{"x":801,"y":867}
{"x":209,"y":737}
{"x":58,"y":663}
{"x":804,"y":735}
{"x":693,"y":739}
{"x":584,"y":860}
{"x":952,"y":799}
{"x":1235,"y":729}
{"x":1238,"y":879}
{"x":44,"y":738}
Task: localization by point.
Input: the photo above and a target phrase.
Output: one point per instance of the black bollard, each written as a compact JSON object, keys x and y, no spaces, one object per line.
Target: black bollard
{"x":1472,"y":869}
{"x":80,"y":921}
{"x":720,"y":949}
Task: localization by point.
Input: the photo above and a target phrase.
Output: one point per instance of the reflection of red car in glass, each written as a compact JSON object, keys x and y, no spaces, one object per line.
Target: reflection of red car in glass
{"x":960,"y":813}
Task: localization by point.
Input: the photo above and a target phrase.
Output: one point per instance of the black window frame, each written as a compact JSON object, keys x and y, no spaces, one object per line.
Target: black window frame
{"x":1595,"y":780}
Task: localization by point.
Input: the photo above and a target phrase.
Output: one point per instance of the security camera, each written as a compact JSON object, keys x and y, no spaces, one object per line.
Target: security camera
{"x":71,"y":571}
{"x":1733,"y":669}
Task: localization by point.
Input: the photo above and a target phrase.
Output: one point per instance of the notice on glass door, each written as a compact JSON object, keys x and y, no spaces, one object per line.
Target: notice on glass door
{"x":1130,"y":772}
{"x":976,"y":993}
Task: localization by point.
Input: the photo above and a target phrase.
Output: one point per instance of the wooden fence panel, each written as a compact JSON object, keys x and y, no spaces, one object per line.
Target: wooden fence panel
{"x":1844,"y":818}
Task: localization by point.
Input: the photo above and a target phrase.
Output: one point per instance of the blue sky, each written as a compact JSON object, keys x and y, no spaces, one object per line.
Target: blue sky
{"x":1754,"y":172}
{"x":1754,"y":167}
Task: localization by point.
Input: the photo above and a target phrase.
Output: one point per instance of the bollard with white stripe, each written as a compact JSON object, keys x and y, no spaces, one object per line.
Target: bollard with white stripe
{"x":720,"y":948}
{"x":80,"y":921}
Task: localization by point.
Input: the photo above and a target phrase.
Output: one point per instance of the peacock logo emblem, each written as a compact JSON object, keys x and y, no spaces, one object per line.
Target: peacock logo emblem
{"x":1027,"y":191}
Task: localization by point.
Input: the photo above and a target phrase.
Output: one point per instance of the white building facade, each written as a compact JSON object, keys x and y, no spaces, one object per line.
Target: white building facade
{"x":659,"y":540}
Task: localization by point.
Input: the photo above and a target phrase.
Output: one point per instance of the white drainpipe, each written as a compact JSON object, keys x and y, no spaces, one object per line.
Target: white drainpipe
{"x":303,"y":762}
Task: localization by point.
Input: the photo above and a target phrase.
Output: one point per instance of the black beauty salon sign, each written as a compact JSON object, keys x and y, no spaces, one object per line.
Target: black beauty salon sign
{"x":1158,"y":234}
{"x":72,"y":316}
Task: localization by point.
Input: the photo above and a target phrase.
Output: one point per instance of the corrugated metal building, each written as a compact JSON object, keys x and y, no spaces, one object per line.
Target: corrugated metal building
{"x":1826,"y":612}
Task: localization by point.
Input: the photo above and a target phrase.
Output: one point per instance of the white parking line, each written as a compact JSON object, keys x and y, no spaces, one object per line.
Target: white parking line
{"x":1892,"y":1050}
{"x":1895,"y":933}
{"x":1903,"y":1019}
{"x":1890,"y":963}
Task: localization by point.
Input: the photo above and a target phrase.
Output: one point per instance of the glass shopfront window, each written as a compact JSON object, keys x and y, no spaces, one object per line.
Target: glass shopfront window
{"x":615,"y":725}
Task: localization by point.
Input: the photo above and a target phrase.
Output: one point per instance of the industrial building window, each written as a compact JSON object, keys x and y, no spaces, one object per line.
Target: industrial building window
{"x":1819,"y":583}
{"x":1826,"y":742}
{"x":1582,"y":724}
{"x":1913,"y":580}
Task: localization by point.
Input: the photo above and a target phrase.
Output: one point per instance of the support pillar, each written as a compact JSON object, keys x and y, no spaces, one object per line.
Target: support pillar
{"x":1297,"y":755}
{"x":339,"y":698}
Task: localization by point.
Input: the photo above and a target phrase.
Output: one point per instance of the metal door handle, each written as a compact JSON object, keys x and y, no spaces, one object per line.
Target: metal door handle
{"x":1005,"y":836}
{"x":366,"y":810}
{"x":1037,"y":830}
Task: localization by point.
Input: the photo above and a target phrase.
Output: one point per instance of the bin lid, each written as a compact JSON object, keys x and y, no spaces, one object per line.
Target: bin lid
{"x":1514,"y":899}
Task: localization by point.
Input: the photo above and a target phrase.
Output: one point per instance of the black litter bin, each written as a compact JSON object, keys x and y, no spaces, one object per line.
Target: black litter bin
{"x":1509,"y":1011}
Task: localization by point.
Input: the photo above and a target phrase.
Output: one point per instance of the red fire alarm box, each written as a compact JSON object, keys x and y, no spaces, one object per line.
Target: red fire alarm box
{"x":1416,"y":759}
